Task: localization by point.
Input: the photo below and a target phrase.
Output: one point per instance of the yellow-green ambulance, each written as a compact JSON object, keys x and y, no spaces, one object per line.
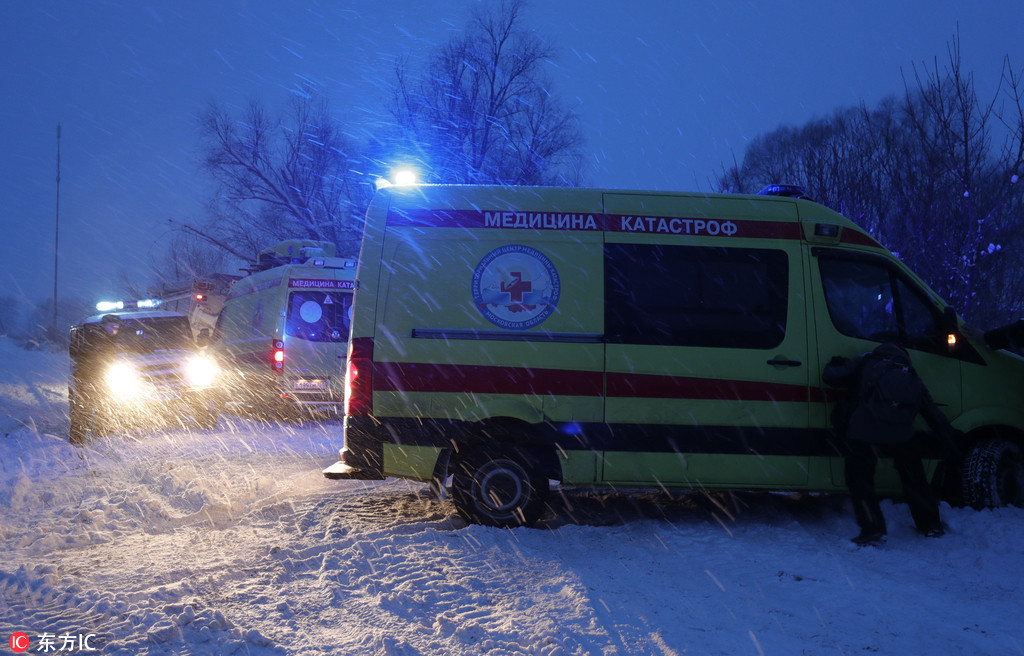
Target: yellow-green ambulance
{"x":503,"y":337}
{"x":282,"y":335}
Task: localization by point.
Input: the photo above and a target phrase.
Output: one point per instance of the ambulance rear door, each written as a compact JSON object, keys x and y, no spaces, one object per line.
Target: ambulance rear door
{"x":316,"y":330}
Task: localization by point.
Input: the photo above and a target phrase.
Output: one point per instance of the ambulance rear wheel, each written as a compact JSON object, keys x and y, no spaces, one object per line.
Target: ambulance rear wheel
{"x":993,"y":474}
{"x":498,"y":488}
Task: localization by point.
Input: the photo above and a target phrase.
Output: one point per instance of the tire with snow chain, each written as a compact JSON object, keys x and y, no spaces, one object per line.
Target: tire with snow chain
{"x":498,"y":488}
{"x":993,"y":474}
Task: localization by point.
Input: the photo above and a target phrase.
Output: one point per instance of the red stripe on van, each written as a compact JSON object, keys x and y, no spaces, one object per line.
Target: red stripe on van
{"x":418,"y":377}
{"x":473,"y":379}
{"x":827,"y":394}
{"x":859,"y":239}
{"x":672,"y":387}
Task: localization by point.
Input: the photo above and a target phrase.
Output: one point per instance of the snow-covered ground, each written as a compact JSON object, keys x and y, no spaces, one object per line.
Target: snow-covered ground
{"x":230,"y":541}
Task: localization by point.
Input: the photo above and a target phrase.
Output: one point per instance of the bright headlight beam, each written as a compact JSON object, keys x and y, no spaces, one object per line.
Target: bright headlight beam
{"x":201,"y":371}
{"x":123,"y":381}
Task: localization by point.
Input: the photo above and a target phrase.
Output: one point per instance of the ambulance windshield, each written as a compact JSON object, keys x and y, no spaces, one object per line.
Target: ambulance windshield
{"x":319,"y":316}
{"x":138,"y":335}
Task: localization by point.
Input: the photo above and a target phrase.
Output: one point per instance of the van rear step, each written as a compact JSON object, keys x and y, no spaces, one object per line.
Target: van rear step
{"x":341,"y":471}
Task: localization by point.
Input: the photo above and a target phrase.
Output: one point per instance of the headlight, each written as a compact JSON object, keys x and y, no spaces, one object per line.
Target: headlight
{"x":123,"y":381}
{"x":201,"y":371}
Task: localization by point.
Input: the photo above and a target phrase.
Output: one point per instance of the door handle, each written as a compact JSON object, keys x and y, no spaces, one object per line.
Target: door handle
{"x":784,"y":363}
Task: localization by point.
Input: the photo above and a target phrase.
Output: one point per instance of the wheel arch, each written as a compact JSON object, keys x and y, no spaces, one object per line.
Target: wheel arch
{"x":534,"y":441}
{"x":990,"y":431}
{"x":987,"y":422}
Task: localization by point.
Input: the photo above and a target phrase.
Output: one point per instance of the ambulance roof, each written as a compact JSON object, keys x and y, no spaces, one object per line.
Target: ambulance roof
{"x":133,"y":314}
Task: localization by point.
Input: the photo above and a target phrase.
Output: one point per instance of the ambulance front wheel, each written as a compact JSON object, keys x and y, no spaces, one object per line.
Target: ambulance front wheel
{"x":79,"y":420}
{"x":498,"y":488}
{"x":206,"y":415}
{"x":84,"y":418}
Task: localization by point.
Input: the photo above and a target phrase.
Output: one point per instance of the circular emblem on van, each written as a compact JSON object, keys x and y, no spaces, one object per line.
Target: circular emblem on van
{"x":516,"y":287}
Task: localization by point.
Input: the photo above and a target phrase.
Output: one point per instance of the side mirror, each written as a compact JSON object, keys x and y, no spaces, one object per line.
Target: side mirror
{"x":1010,"y":336}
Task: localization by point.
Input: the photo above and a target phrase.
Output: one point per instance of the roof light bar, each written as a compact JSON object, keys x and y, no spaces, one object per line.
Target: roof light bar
{"x":113,"y":306}
{"x":787,"y":191}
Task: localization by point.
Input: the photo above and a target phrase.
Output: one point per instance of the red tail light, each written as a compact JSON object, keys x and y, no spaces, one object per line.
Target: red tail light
{"x":277,"y":357}
{"x":359,"y":377}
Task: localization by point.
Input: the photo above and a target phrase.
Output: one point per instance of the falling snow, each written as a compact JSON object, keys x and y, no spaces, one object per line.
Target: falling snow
{"x":168,"y":541}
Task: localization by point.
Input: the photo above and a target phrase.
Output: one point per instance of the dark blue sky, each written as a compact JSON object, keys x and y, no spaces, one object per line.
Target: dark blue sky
{"x":668,"y":92}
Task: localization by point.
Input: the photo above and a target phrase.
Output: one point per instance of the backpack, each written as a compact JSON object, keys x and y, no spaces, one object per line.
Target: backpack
{"x":888,"y":398}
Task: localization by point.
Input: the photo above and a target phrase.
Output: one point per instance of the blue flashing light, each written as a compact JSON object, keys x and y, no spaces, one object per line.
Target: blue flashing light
{"x":113,"y":306}
{"x":405,"y":177}
{"x":786,"y":191}
{"x":571,"y":428}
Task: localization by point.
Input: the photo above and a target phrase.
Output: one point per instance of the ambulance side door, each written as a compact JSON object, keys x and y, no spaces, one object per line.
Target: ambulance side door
{"x":863,"y":299}
{"x":706,"y":356}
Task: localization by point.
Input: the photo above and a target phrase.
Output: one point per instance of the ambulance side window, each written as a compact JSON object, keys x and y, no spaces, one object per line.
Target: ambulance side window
{"x":859,"y":298}
{"x":695,"y":296}
{"x":870,"y":300}
{"x":920,"y":318}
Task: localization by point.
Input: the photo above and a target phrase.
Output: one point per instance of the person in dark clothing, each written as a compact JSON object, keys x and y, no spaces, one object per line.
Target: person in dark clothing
{"x":877,"y":417}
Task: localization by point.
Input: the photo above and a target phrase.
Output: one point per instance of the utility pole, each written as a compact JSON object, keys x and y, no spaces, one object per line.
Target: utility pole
{"x":56,"y":239}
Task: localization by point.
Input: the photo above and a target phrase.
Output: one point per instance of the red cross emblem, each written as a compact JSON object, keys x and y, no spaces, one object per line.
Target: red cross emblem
{"x":518,"y":287}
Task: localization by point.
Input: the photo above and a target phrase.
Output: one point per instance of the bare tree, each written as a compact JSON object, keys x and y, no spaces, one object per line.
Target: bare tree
{"x":921,"y":173}
{"x":190,"y":257}
{"x":482,"y":111}
{"x":39,"y":330}
{"x":281,"y":178}
{"x":954,"y":131}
